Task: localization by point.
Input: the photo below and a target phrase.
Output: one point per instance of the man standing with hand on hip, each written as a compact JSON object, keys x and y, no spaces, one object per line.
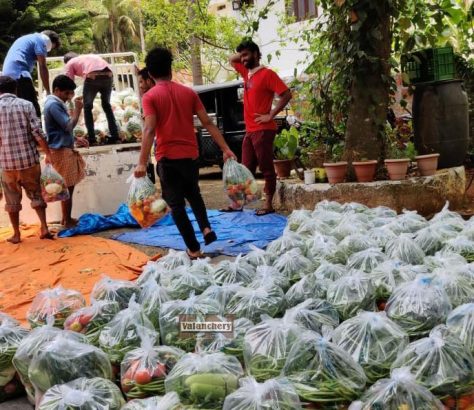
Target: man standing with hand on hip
{"x":260,"y":86}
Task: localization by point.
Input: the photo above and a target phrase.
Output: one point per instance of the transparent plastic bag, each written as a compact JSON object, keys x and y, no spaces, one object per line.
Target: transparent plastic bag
{"x":268,"y":275}
{"x":349,"y":225}
{"x":115,"y":290}
{"x":123,"y":332}
{"x":53,"y":187}
{"x":297,"y":218}
{"x":352,"y":293}
{"x":389,"y":275}
{"x":322,"y":372}
{"x":63,"y":360}
{"x":11,"y":336}
{"x":312,"y":227}
{"x":173,"y":259}
{"x":152,"y":297}
{"x":462,"y":245}
{"x":83,"y":393}
{"x":183,"y":280}
{"x":430,"y":239}
{"x":381,"y":235}
{"x":251,"y":303}
{"x":405,"y":249}
{"x":276,"y":394}
{"x":382,"y":212}
{"x":408,"y":222}
{"x":144,"y":202}
{"x":418,"y":306}
{"x":4,"y":318}
{"x":350,"y":245}
{"x":440,"y":362}
{"x":331,"y":271}
{"x":444,"y":259}
{"x":257,"y":257}
{"x":293,"y":264}
{"x":399,"y":392}
{"x":237,"y":271}
{"x":366,"y":260}
{"x":314,"y":314}
{"x":326,"y":205}
{"x":143,"y":370}
{"x":355,"y":207}
{"x":373,"y":341}
{"x":170,"y":313}
{"x":170,"y":401}
{"x":458,"y":287}
{"x":461,"y":322}
{"x":202,"y":266}
{"x":222,"y":294}
{"x":90,"y":320}
{"x":57,"y":302}
{"x":266,"y":347}
{"x":285,"y":243}
{"x":329,"y":217}
{"x":204,"y":379}
{"x":310,"y":286}
{"x":240,"y":185}
{"x":152,"y":270}
{"x":319,"y":247}
{"x":446,"y":216}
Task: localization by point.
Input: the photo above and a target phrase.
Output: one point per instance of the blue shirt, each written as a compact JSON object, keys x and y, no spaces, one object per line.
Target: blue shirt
{"x":21,"y":57}
{"x":58,"y":123}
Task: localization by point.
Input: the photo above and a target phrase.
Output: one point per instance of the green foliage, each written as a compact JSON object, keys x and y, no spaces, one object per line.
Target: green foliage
{"x":336,"y":152}
{"x":286,"y":144}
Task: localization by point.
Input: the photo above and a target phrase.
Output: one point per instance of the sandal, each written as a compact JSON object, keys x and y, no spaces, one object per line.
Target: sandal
{"x":230,"y":209}
{"x":48,"y":235}
{"x":210,"y":237}
{"x":262,"y":212}
{"x":193,"y":258}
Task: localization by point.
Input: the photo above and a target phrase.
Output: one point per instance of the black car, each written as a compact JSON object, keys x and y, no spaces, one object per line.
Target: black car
{"x":224,"y":104}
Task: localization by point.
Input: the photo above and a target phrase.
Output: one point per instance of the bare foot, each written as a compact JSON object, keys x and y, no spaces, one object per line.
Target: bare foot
{"x":70,"y":224}
{"x":45,"y":234}
{"x":14,"y":239}
{"x":194,"y":255}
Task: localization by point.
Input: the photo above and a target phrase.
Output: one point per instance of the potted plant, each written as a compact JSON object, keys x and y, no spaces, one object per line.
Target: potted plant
{"x":398,"y":160}
{"x":364,"y":169}
{"x":336,"y":169}
{"x":427,"y":164}
{"x":285,"y":146}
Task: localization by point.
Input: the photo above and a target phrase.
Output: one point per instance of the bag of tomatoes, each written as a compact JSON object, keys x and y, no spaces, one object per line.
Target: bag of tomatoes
{"x":144,"y":202}
{"x":239,"y":184}
{"x":144,"y":369}
{"x":53,"y":187}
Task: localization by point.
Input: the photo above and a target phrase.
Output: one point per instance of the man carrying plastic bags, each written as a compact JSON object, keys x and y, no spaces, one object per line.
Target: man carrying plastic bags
{"x":168,"y":110}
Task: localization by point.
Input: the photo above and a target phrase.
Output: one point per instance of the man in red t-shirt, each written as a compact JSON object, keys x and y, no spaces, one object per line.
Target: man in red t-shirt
{"x":168,"y":109}
{"x":260,"y":86}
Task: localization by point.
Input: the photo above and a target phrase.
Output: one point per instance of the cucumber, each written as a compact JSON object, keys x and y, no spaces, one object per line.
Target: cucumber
{"x":207,"y":392}
{"x":228,"y":382}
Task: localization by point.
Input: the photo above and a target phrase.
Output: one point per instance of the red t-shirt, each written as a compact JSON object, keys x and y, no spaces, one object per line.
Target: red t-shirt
{"x":259,"y":92}
{"x":173,"y":105}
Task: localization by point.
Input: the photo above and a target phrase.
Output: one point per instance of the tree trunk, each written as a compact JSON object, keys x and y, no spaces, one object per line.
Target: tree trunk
{"x":196,"y":62}
{"x":370,"y":92}
{"x":112,"y":33}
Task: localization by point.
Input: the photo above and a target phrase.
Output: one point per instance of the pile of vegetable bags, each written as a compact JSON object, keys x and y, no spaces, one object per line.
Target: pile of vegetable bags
{"x":351,"y":306}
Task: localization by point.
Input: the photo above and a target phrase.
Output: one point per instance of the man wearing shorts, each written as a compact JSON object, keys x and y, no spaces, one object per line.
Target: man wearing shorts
{"x":59,"y":130}
{"x":260,"y":86}
{"x":20,"y":133}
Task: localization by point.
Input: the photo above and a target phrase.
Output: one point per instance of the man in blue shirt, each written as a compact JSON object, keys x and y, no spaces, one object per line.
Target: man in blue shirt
{"x":21,"y":59}
{"x":59,"y":129}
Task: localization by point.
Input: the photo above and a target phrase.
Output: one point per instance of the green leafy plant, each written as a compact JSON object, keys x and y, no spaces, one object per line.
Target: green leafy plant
{"x":336,"y":152}
{"x":286,"y":144}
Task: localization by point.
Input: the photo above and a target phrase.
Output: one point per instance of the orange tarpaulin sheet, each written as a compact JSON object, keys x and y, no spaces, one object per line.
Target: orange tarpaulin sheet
{"x":75,"y":263}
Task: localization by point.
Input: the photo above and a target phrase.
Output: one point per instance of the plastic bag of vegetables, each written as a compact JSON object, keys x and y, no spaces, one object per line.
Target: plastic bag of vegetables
{"x":310,"y":286}
{"x":352,"y":293}
{"x":57,"y":302}
{"x":4,"y":318}
{"x":314,"y":314}
{"x":320,"y":247}
{"x":90,"y":320}
{"x":461,"y":322}
{"x":257,"y":257}
{"x":458,"y":287}
{"x":173,"y":259}
{"x":331,"y":271}
{"x":144,"y":201}
{"x":440,"y":362}
{"x":366,"y":260}
{"x":323,"y":372}
{"x":387,"y":276}
{"x":293,"y":264}
{"x":204,"y":379}
{"x":183,"y":280}
{"x":297,"y":218}
{"x":129,"y":113}
{"x":222,"y":294}
{"x":312,"y":227}
{"x":11,"y":336}
{"x":269,"y":275}
{"x":170,"y":401}
{"x":169,"y":319}
{"x":143,"y":370}
{"x":123,"y":332}
{"x":115,"y":290}
{"x":237,"y":271}
{"x":408,"y":222}
{"x":63,"y":360}
{"x":131,"y":101}
{"x":79,"y":131}
{"x":418,"y":306}
{"x":405,"y":249}
{"x":276,"y":394}
{"x":326,"y":205}
{"x":239,"y":184}
{"x":83,"y":393}
{"x":254,"y":302}
{"x":266,"y":347}
{"x":152,"y":270}
{"x":430,"y":239}
{"x":285,"y":243}
{"x":350,"y":245}
{"x":134,"y":127}
{"x":373,"y":341}
{"x":399,"y":392}
{"x":53,"y":187}
{"x":152,"y":296}
{"x":462,"y":245}
{"x":381,"y":235}
{"x":349,"y":225}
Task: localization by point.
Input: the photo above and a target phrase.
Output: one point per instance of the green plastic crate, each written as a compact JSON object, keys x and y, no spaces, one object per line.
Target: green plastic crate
{"x":432,"y":64}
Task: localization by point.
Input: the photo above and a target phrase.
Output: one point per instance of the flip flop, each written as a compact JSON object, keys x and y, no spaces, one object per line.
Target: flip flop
{"x":263,"y":212}
{"x":229,"y":209}
{"x":48,"y":235}
{"x":210,"y":237}
{"x":193,"y":258}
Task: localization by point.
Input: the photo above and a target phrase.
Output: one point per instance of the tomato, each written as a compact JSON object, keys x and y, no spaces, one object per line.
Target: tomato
{"x":450,"y":403}
{"x":75,"y":327}
{"x":160,"y":370}
{"x":85,"y":319}
{"x":142,"y":377}
{"x":126,"y":385}
{"x":382,"y":306}
{"x":465,"y":403}
{"x":10,"y":388}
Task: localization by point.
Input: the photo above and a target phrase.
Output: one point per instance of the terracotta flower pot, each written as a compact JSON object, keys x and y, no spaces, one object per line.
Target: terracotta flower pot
{"x":365,"y":170}
{"x":427,"y":164}
{"x":283,"y":167}
{"x":397,"y":168}
{"x":336,"y":172}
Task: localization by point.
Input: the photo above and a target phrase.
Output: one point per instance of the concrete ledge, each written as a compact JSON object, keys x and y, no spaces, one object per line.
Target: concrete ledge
{"x":427,"y":195}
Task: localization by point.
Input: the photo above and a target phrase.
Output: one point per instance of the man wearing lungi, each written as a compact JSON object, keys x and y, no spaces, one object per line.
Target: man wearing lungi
{"x":59,"y":129}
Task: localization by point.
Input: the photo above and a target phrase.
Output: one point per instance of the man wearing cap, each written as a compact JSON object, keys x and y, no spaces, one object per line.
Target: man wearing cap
{"x":21,"y":59}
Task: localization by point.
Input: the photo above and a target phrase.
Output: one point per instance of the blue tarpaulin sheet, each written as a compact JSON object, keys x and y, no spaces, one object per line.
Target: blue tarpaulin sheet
{"x":235,"y":231}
